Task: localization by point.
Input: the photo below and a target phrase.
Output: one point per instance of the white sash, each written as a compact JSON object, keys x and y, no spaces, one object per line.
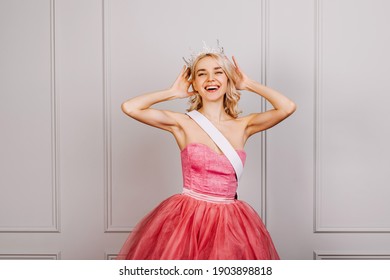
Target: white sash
{"x":219,"y":140}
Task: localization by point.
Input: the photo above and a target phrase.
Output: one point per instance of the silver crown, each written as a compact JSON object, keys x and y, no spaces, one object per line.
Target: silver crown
{"x":206,"y":49}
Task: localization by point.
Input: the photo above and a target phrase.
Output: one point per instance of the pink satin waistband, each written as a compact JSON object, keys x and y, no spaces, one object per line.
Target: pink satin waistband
{"x":206,"y":197}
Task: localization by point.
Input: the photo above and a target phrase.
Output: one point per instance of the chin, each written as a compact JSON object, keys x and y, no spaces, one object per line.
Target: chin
{"x":212,"y":96}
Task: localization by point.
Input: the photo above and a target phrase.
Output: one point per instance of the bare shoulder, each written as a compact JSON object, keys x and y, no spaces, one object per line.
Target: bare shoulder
{"x":183,"y":126}
{"x":238,"y":127}
{"x":257,"y":122}
{"x":180,"y":118}
{"x":188,"y":131}
{"x":234,"y":131}
{"x":248,"y":120}
{"x":245,"y":119}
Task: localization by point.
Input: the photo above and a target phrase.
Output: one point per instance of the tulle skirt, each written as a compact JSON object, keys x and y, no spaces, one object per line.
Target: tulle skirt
{"x":184,"y":228}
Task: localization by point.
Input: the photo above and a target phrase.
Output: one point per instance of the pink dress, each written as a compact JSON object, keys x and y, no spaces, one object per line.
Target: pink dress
{"x":205,"y":222}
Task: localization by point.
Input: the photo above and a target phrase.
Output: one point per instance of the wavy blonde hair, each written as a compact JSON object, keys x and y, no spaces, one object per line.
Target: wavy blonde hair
{"x":232,"y":95}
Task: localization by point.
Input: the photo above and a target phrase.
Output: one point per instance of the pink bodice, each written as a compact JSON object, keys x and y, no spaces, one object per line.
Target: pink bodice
{"x":208,"y":172}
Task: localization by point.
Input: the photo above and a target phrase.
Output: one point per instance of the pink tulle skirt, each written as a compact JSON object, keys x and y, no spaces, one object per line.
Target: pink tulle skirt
{"x":184,"y":228}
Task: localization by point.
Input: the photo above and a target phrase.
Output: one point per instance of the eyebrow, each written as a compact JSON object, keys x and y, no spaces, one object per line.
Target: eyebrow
{"x":216,"y":68}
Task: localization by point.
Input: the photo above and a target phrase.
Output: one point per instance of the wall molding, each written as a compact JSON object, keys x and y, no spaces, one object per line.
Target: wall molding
{"x":318,"y":92}
{"x":107,"y":122}
{"x":55,"y":124}
{"x":264,"y":68}
{"x":110,"y":256}
{"x":106,"y":125}
{"x":53,"y":256}
{"x":317,"y":126}
{"x":319,"y":255}
{"x":55,"y":226}
{"x":108,"y":186}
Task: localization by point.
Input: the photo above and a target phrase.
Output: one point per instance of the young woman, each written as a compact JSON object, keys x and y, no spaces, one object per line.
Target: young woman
{"x":206,"y":221}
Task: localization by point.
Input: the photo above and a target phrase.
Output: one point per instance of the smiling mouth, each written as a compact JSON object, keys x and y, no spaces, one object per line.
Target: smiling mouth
{"x":211,"y":88}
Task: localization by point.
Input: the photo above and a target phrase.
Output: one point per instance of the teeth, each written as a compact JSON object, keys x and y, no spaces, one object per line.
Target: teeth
{"x":211,"y":87}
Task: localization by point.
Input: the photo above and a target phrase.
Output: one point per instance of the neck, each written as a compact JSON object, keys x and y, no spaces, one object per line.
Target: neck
{"x":214,"y":111}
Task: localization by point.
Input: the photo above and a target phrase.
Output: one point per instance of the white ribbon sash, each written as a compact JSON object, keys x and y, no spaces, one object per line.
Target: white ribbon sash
{"x":219,"y":140}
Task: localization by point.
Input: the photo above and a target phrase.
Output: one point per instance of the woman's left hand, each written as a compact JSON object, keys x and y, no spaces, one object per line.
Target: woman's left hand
{"x":242,"y":78}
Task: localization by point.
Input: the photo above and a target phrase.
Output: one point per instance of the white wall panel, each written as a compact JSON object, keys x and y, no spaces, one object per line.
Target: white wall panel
{"x":79,"y":60}
{"x":145,"y":52}
{"x":353,"y":155}
{"x":28,"y":118}
{"x":290,"y":172}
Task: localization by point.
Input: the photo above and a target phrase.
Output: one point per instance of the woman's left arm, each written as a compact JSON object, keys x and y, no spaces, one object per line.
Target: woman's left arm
{"x":283,"y":107}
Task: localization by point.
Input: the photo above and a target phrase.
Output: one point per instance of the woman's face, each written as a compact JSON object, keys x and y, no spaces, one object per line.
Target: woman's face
{"x":210,"y":81}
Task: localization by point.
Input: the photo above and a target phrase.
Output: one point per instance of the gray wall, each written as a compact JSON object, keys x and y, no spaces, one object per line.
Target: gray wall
{"x":77,"y":174}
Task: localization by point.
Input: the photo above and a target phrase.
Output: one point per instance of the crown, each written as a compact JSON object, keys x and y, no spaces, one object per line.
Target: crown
{"x":206,"y":49}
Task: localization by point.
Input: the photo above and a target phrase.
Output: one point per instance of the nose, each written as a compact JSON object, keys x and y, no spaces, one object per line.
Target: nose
{"x":211,"y":77}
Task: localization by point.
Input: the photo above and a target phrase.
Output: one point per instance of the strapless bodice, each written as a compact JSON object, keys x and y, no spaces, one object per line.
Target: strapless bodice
{"x":208,"y":172}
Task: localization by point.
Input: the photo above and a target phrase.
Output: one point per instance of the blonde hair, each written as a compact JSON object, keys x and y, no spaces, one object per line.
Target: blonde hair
{"x":232,"y":95}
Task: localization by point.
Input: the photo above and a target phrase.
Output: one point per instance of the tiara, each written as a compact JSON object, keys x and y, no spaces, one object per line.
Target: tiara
{"x":206,"y":49}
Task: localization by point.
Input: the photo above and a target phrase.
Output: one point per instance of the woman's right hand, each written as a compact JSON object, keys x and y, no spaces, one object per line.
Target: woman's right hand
{"x":139,"y":107}
{"x":181,"y":86}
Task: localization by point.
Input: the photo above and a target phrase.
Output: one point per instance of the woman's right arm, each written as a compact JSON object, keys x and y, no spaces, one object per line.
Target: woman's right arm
{"x":139,"y":107}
